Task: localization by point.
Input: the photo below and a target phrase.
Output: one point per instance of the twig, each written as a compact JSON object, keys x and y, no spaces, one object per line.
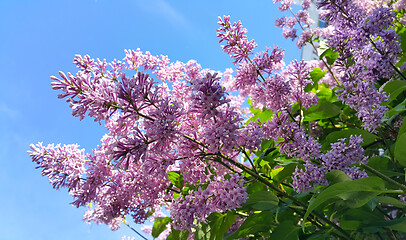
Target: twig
{"x":382,"y":176}
{"x":128,"y":225}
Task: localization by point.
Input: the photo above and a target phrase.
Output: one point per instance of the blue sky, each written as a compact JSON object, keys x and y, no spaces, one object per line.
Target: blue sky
{"x":39,"y":38}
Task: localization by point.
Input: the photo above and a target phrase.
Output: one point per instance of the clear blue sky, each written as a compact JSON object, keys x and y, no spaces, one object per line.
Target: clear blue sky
{"x":39,"y":38}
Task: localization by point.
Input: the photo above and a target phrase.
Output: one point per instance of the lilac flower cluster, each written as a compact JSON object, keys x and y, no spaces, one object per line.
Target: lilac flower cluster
{"x":189,"y":124}
{"x":265,"y":79}
{"x":63,"y":165}
{"x":237,"y":44}
{"x":291,"y":139}
{"x":302,"y":18}
{"x":365,"y":38}
{"x":148,"y":123}
{"x":208,"y":95}
{"x":220,"y":194}
{"x":342,"y":156}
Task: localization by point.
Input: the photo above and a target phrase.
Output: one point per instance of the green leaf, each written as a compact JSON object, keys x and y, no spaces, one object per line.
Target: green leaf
{"x":394,"y":88}
{"x":176,"y":179}
{"x":323,"y":110}
{"x":325,"y":93}
{"x":203,"y":232}
{"x":402,"y":128}
{"x":220,"y":223}
{"x":400,"y":226}
{"x":261,"y":200}
{"x":319,"y":236}
{"x":400,"y":149}
{"x":316,"y":74}
{"x":334,"y":136}
{"x":322,"y":47}
{"x":261,"y":116}
{"x":286,"y":172}
{"x":391,"y":201}
{"x":285,"y":231}
{"x":159,"y":225}
{"x":378,"y":163}
{"x":178,"y":235}
{"x":337,"y":176}
{"x":254,"y":224}
{"x":324,"y":51}
{"x":402,"y":34}
{"x":401,"y":107}
{"x":217,"y":224}
{"x":256,"y":187}
{"x":330,"y":55}
{"x":350,"y":224}
{"x":357,"y":192}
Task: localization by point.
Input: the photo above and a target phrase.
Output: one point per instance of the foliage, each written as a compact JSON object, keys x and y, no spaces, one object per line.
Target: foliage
{"x":319,"y":154}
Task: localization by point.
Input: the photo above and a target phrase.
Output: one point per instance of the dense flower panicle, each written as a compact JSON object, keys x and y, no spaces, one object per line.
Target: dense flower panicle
{"x":285,"y":4}
{"x":308,"y":178}
{"x":363,"y":97}
{"x":228,"y":81}
{"x":291,"y":139}
{"x":208,"y":95}
{"x":379,"y":19}
{"x":103,"y":100}
{"x":272,"y":94}
{"x":343,"y":155}
{"x":137,"y":92}
{"x":63,"y":165}
{"x":114,"y":193}
{"x":237,"y":44}
{"x":246,"y":78}
{"x":250,"y":136}
{"x":289,"y":33}
{"x":297,"y":75}
{"x":280,"y":22}
{"x":163,"y":130}
{"x":84,"y":63}
{"x":363,"y":36}
{"x":290,"y":22}
{"x":306,"y":4}
{"x":121,"y":124}
{"x":172,"y":72}
{"x":86,"y":95}
{"x":269,"y":62}
{"x":129,"y":149}
{"x":302,"y":18}
{"x":135,"y":60}
{"x":221,"y":134}
{"x":304,"y":38}
{"x":220,"y":195}
{"x":399,"y":5}
{"x":263,"y":64}
{"x":98,"y":173}
{"x":193,"y":70}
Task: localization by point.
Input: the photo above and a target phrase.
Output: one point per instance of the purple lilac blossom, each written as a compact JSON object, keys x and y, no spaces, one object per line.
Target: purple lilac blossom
{"x":354,"y":34}
{"x":63,"y":165}
{"x":220,"y":195}
{"x":342,"y":156}
{"x":144,"y":119}
{"x":237,"y":44}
